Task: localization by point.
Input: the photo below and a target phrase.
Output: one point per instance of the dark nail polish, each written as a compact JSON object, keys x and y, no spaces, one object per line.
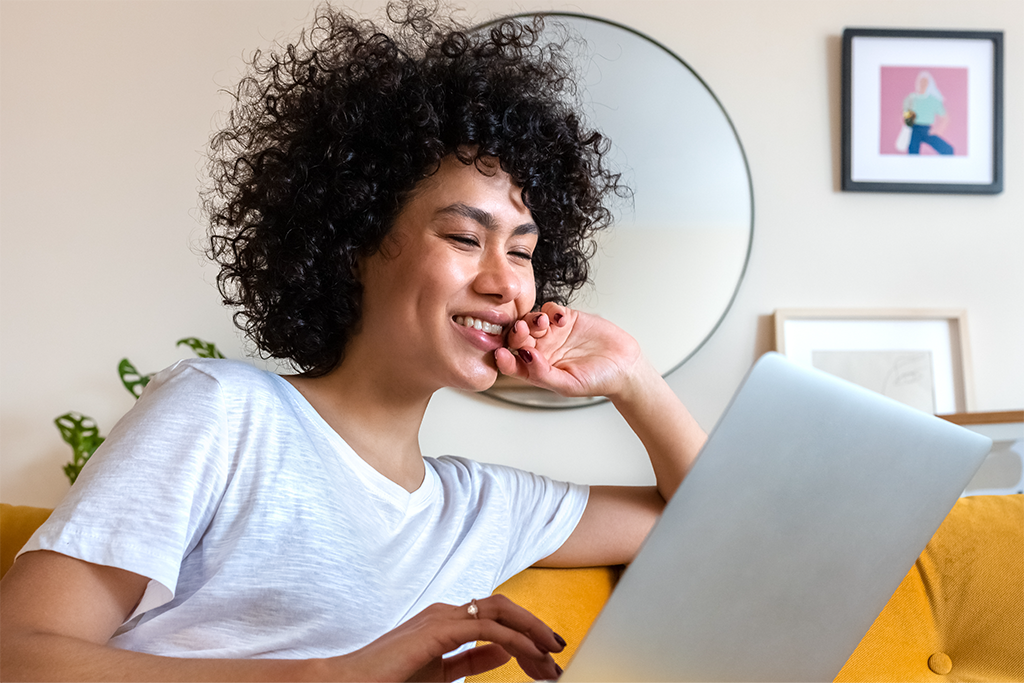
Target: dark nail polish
{"x":526,"y":356}
{"x":560,"y":640}
{"x":558,"y":669}
{"x":558,"y":317}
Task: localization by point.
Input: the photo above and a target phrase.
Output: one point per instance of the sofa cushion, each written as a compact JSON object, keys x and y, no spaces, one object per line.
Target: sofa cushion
{"x":18,"y":523}
{"x":959,"y":613}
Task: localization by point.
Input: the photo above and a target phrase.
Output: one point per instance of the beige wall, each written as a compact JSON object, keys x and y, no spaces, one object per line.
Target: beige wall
{"x":106,"y":107}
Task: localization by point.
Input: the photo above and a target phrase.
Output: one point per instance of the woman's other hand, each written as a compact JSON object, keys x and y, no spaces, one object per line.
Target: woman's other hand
{"x":415,"y":650}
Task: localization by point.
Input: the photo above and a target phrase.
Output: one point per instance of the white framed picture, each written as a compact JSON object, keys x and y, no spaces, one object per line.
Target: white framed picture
{"x":918,"y":357}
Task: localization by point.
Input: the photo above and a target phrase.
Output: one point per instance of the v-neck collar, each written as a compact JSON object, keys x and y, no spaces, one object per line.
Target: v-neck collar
{"x":379,"y":484}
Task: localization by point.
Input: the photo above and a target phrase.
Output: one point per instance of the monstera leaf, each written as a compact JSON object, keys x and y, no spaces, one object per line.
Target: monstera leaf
{"x":132,"y":379}
{"x":83,"y":435}
{"x":201,"y":348}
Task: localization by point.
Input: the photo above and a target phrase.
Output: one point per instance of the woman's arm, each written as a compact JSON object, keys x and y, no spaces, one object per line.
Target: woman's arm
{"x":669,"y":433}
{"x":57,"y":614}
{"x":575,"y":354}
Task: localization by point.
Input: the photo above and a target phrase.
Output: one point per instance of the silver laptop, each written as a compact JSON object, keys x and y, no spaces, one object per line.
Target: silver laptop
{"x":807,"y":506}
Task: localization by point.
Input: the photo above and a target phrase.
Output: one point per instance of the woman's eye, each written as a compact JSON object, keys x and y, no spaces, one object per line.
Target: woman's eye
{"x":522,"y":255}
{"x":467,"y":240}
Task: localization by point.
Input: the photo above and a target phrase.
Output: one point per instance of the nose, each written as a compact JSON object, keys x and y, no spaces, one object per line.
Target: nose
{"x":497,"y":278}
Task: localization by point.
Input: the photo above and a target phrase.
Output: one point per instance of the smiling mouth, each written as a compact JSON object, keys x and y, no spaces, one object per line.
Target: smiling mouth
{"x":477,"y":324}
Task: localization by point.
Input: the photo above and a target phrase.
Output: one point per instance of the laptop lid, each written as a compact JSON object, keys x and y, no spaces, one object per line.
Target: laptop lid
{"x":806,"y":508}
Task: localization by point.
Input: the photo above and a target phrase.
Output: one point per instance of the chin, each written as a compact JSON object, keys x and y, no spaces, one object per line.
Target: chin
{"x":481,"y":379}
{"x":484,"y":383}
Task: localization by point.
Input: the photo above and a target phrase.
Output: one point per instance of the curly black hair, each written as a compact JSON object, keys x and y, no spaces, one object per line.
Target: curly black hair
{"x":328,"y":137}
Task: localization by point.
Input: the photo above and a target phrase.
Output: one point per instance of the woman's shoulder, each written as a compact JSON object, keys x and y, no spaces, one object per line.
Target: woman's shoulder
{"x":204,"y":375}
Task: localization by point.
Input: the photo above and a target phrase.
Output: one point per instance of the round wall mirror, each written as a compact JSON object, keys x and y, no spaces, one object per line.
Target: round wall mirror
{"x":668,"y":269}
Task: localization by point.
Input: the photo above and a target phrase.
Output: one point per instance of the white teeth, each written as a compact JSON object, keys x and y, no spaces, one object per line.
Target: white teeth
{"x":478,"y":324}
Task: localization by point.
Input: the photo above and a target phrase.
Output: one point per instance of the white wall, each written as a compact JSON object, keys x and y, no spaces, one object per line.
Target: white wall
{"x":105,"y":108}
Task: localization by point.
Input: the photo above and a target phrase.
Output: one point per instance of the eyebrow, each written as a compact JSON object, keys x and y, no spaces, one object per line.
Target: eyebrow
{"x":486,"y":219}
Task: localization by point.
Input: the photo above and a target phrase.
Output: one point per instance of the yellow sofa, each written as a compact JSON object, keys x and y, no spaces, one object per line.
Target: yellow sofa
{"x":957,"y":616}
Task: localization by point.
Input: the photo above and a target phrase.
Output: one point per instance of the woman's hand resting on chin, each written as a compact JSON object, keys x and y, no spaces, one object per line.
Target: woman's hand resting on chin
{"x":571,"y":353}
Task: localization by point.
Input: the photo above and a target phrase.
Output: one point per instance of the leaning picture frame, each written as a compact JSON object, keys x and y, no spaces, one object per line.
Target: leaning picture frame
{"x":1002,"y":471}
{"x":922,"y":111}
{"x":917,"y":356}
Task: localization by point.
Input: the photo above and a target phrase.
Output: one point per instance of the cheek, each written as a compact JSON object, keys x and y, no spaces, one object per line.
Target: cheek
{"x":527,"y":295}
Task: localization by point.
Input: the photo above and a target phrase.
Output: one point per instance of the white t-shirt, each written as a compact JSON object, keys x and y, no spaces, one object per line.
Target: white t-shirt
{"x":264,"y":535}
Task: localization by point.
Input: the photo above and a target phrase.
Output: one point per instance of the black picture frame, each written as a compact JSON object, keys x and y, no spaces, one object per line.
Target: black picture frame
{"x":876,"y":62}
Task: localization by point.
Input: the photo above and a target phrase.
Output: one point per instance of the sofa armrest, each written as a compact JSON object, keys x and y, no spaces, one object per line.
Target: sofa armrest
{"x":17,"y":524}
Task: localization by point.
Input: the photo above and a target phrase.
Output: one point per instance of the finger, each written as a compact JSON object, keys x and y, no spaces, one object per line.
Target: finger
{"x":547,"y":672}
{"x":434,"y":671}
{"x":519,"y":335}
{"x":558,"y":314}
{"x":506,"y":362}
{"x":532,"y":366}
{"x":475,"y":661}
{"x":449,"y":634}
{"x":528,"y":364}
{"x":416,"y":647}
{"x":538,"y":323}
{"x":507,"y":613}
{"x":491,"y":656}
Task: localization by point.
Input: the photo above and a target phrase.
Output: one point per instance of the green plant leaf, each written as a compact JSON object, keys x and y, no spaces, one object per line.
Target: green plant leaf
{"x":203,"y":349}
{"x":81,"y":432}
{"x":83,"y":435}
{"x":132,"y":379}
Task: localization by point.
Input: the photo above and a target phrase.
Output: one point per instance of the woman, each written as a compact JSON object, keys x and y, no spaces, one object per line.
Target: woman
{"x":924,"y":110}
{"x":388,"y":213}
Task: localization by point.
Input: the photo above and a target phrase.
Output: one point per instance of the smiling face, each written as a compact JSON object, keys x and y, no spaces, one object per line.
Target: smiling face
{"x":453,"y":274}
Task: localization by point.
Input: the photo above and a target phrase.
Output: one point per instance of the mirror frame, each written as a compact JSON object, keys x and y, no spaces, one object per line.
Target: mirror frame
{"x":551,"y":400}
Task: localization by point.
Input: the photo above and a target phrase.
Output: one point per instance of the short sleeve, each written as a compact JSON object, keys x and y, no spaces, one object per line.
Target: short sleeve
{"x":143,"y":499}
{"x":543,"y":512}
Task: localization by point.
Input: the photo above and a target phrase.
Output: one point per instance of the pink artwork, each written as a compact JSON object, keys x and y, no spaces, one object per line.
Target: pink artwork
{"x":939,"y":96}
